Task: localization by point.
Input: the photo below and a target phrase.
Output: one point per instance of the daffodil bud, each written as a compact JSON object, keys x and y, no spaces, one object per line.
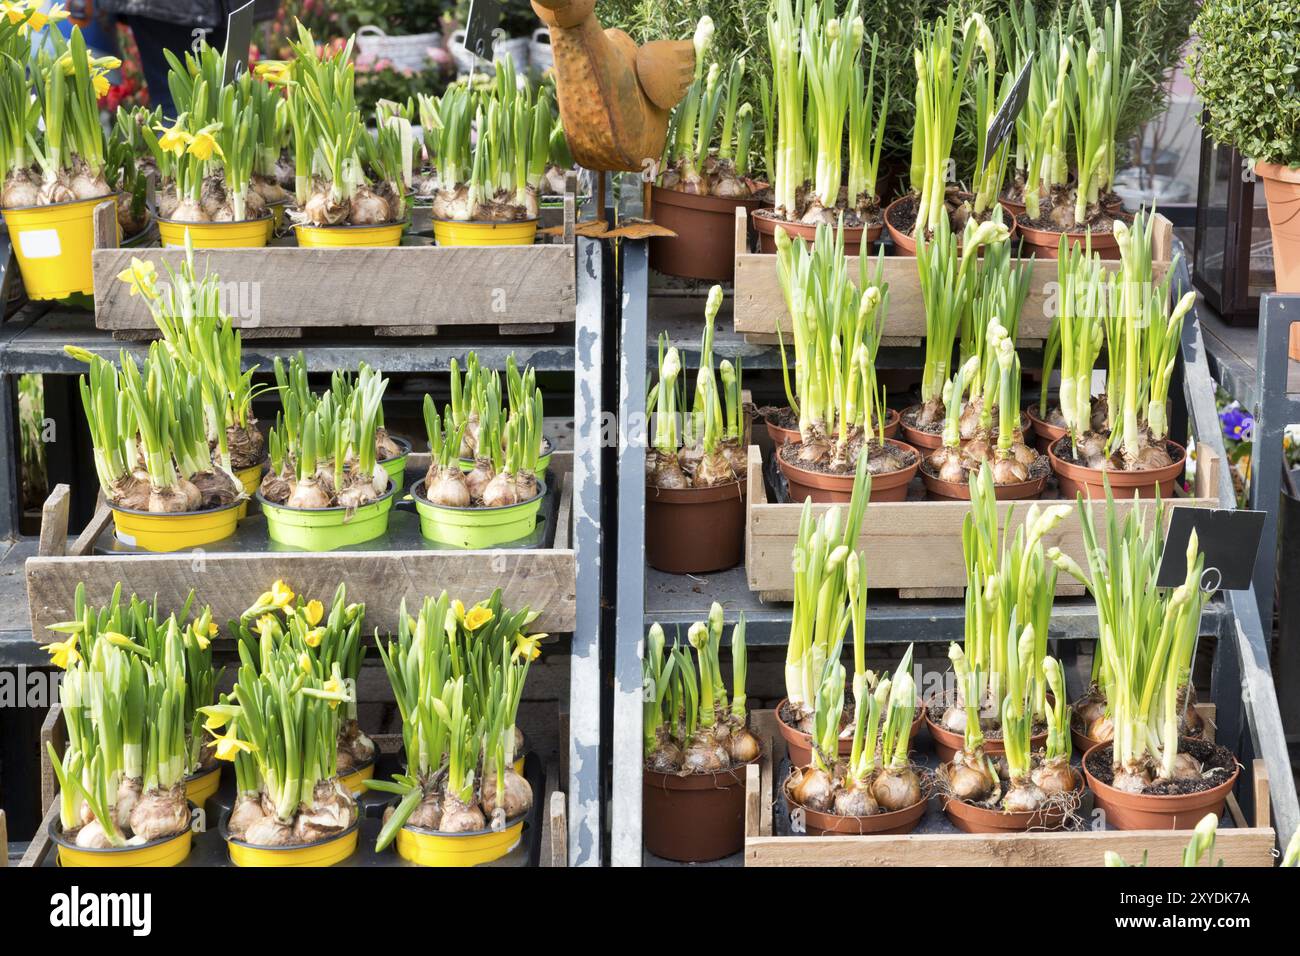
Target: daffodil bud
{"x":714,"y":302}
{"x":703,"y":37}
{"x":698,"y":635}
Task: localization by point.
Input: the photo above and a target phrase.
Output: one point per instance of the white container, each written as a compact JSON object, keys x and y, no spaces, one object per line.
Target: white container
{"x":540,"y":53}
{"x":409,"y":52}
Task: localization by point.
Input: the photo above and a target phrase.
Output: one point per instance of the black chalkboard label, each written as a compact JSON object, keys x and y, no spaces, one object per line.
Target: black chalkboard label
{"x":482,"y":26}
{"x":5,"y":262}
{"x":239,"y":39}
{"x":1229,"y":539}
{"x":1004,"y":120}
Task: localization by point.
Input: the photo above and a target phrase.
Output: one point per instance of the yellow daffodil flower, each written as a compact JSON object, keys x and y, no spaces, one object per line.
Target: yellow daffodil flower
{"x":529,"y":648}
{"x":477,"y":617}
{"x":273,"y":71}
{"x":281,"y":594}
{"x":174,"y":140}
{"x":335,"y":686}
{"x":314,"y":636}
{"x":39,"y":19}
{"x":217,"y":717}
{"x":267,"y":626}
{"x":459,"y":610}
{"x":201,"y":639}
{"x":100,"y":82}
{"x":304,"y":662}
{"x":14,"y":12}
{"x":141,"y":275}
{"x":204,"y":147}
{"x":314,"y":611}
{"x":63,"y":654}
{"x":228,"y":746}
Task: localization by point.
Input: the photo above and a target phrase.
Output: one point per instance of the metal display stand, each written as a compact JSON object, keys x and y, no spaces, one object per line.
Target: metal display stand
{"x":32,"y":341}
{"x":1242,"y":684}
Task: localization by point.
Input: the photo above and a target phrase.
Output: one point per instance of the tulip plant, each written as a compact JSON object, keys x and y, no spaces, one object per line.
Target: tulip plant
{"x":458,"y":676}
{"x":53,"y":148}
{"x":134,"y":686}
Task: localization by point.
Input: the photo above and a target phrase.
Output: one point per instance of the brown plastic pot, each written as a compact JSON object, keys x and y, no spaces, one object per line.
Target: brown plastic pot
{"x":906,"y":244}
{"x":1123,"y":484}
{"x":946,"y":743}
{"x":705,"y":245}
{"x":1082,"y":742}
{"x":695,"y":530}
{"x":1045,"y":433}
{"x":1044,"y":243}
{"x":854,"y":236}
{"x":824,"y":488}
{"x":693,"y":818}
{"x":1148,"y":811}
{"x":917,"y":438}
{"x":1013,"y":208}
{"x":895,"y":822}
{"x":1282,"y":190}
{"x":960,"y":490}
{"x":781,"y":436}
{"x":798,"y":745}
{"x":970,"y":818}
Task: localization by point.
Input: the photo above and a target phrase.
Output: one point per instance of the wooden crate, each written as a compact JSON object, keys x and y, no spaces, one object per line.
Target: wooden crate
{"x":418,"y":289}
{"x":542,"y":579}
{"x":914,"y":546}
{"x":1240,"y":845}
{"x":759,"y":304}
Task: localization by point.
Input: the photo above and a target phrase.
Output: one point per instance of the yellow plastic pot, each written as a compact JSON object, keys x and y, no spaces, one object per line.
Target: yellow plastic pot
{"x":476,"y":528}
{"x":174,"y":532}
{"x":53,"y":246}
{"x":325,"y":853}
{"x":448,"y":233}
{"x":355,"y":781}
{"x":251,"y":479}
{"x":325,"y":529}
{"x":351,"y":237}
{"x":199,"y":787}
{"x":249,"y":234}
{"x":167,"y":852}
{"x":429,"y":848}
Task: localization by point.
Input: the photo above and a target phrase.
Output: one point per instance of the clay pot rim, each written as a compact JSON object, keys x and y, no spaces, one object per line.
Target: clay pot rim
{"x":697,"y":496}
{"x":1049,"y":818}
{"x":787,"y":731}
{"x":992,"y":745}
{"x":1277,"y":171}
{"x":710,"y":203}
{"x":1128,"y":479}
{"x":1014,"y":491}
{"x":1036,"y":236}
{"x":882,"y":821}
{"x":770,"y":223}
{"x":731,"y":777}
{"x":1158,"y":802}
{"x":890,"y":478}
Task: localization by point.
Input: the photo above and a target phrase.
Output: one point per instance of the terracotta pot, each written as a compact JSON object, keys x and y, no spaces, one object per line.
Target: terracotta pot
{"x":705,"y":245}
{"x":781,"y":436}
{"x":920,"y":439}
{"x":693,"y":818}
{"x":1282,"y":190}
{"x":817,"y":823}
{"x":946,"y":743}
{"x":970,"y":818}
{"x":1082,"y":743}
{"x":827,"y":489}
{"x":1045,"y":242}
{"x":1123,"y":484}
{"x":1012,"y":207}
{"x":695,"y":530}
{"x":1044,"y":432}
{"x":798,"y":745}
{"x":854,"y":236}
{"x":960,"y":490}
{"x":1141,"y":811}
{"x":906,"y":244}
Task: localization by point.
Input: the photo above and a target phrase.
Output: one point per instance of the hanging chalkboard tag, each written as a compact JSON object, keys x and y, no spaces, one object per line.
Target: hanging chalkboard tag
{"x":1228,"y":538}
{"x":5,"y":261}
{"x":481,"y":27}
{"x":1004,"y":120}
{"x":239,"y":39}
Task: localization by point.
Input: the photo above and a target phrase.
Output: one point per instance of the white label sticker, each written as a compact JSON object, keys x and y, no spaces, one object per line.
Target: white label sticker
{"x":127,"y":539}
{"x":40,"y":243}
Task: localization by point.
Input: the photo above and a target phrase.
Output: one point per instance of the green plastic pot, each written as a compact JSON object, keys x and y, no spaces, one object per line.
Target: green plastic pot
{"x":476,"y":528}
{"x":396,"y":467}
{"x":327,"y":529}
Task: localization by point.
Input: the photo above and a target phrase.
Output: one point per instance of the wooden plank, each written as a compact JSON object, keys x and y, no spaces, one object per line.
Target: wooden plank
{"x":85,"y":542}
{"x":1249,"y":847}
{"x":54,"y":523}
{"x":759,"y":304}
{"x":1263,"y":805}
{"x":397,"y":331}
{"x":559,"y":848}
{"x":541,"y":580}
{"x":104,"y":225}
{"x":55,"y":734}
{"x":300,"y":288}
{"x":909,"y":545}
{"x":4,"y":840}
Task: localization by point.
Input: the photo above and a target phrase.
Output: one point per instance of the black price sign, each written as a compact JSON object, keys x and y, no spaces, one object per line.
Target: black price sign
{"x":1004,"y":120}
{"x":1229,"y":540}
{"x":239,"y":39}
{"x":482,"y":27}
